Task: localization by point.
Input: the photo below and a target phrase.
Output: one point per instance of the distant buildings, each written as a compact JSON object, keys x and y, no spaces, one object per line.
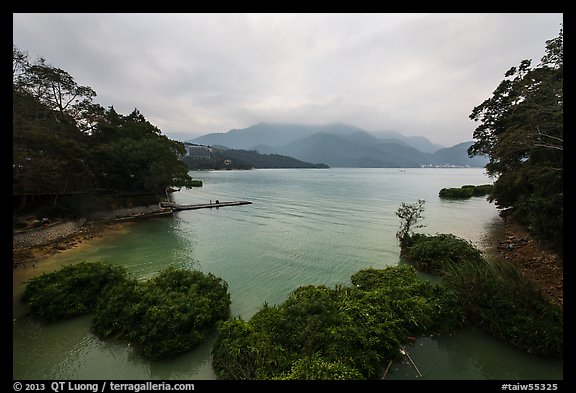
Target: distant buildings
{"x":197,"y":151}
{"x":444,"y":166}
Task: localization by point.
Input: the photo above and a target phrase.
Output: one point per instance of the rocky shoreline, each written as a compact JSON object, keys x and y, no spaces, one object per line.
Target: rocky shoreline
{"x":32,"y":246}
{"x":45,"y":234}
{"x":543,"y":267}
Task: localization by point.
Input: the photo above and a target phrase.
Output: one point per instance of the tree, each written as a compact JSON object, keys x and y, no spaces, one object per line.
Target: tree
{"x":53,"y":87}
{"x":410,"y":214}
{"x":65,"y":144}
{"x":128,"y":153}
{"x":20,"y":64}
{"x":47,"y":156}
{"x":521,"y":131}
{"x":61,"y":92}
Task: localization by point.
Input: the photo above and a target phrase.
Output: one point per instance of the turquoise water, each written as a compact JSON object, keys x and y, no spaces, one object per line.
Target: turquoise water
{"x":305,"y":226}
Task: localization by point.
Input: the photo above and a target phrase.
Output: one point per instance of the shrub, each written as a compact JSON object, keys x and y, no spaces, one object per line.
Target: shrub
{"x":171,"y":313}
{"x":315,"y":368}
{"x":498,"y":299}
{"x":71,"y":291}
{"x":433,"y":254}
{"x":346,"y":332}
{"x":466,"y":191}
{"x":456,"y":193}
{"x":421,"y":307}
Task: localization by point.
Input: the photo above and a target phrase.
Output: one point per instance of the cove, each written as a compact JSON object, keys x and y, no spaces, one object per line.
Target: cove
{"x":304,"y":226}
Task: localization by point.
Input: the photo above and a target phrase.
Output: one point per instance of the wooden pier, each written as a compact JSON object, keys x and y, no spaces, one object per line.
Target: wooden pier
{"x":177,"y":207}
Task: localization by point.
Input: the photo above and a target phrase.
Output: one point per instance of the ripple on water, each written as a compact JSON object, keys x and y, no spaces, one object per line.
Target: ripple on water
{"x":304,"y":227}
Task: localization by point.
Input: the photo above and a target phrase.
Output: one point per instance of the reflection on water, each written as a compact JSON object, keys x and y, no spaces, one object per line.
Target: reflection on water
{"x":67,"y":350}
{"x":304,"y":227}
{"x":471,"y":354}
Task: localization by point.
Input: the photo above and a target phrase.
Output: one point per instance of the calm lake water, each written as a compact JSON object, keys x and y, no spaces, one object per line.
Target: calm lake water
{"x":305,"y":226}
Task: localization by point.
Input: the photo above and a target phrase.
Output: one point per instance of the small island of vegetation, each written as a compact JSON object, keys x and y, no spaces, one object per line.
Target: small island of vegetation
{"x":345,"y":332}
{"x":492,"y":294}
{"x":466,"y":191}
{"x":353,"y":331}
{"x":171,"y":313}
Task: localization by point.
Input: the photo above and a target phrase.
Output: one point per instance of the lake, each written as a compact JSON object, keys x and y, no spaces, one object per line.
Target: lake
{"x":305,"y":226}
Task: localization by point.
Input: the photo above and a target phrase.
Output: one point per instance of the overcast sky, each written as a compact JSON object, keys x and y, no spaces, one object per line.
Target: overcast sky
{"x":193,"y":74}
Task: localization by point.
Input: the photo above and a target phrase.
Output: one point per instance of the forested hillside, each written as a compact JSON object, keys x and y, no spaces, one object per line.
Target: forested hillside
{"x":68,"y":150}
{"x":521,"y":129}
{"x":245,"y":159}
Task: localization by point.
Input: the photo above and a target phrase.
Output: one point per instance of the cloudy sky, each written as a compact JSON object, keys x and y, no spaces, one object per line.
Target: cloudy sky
{"x":193,"y":74}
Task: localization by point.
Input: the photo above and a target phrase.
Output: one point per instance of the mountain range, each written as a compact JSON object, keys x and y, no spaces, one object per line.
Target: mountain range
{"x":342,"y":145}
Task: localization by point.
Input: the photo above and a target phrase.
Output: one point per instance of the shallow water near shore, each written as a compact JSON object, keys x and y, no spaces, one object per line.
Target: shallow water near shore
{"x":304,"y":227}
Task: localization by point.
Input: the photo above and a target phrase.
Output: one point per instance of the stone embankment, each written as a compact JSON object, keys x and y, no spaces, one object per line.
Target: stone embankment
{"x":46,"y":235}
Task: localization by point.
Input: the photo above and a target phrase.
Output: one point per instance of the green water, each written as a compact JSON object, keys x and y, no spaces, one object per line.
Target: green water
{"x":304,"y":227}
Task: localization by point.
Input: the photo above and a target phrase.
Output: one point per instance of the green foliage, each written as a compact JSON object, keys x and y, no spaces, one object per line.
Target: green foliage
{"x":333,"y":333}
{"x":169,"y":314}
{"x":497,"y":298}
{"x":420,"y":306}
{"x":129,"y":154}
{"x":491,"y":295}
{"x":521,"y":130}
{"x":466,"y":191}
{"x":241,"y":352}
{"x":164,"y":316}
{"x":71,"y":291}
{"x":410,"y":214}
{"x":316,"y":368}
{"x":47,"y":156}
{"x":434,"y":254}
{"x":52,"y":87}
{"x":63,"y":144}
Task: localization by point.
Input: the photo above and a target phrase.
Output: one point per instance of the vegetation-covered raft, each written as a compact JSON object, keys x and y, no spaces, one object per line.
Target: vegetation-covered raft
{"x":71,"y":291}
{"x":169,"y":314}
{"x":196,"y":183}
{"x":466,"y":191}
{"x":346,"y":332}
{"x":492,"y":294}
{"x":352,"y":332}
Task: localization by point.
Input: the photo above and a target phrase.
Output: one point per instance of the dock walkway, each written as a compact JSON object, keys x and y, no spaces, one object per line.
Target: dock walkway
{"x":177,"y":207}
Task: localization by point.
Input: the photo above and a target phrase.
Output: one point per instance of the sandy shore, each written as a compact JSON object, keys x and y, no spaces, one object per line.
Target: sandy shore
{"x":31,"y":247}
{"x":32,"y":250}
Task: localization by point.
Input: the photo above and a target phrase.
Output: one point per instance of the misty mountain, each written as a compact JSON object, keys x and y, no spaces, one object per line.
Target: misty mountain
{"x":458,"y":155}
{"x":419,"y":142}
{"x":361,"y":150}
{"x":355,"y":150}
{"x":341,"y":145}
{"x":270,"y":134}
